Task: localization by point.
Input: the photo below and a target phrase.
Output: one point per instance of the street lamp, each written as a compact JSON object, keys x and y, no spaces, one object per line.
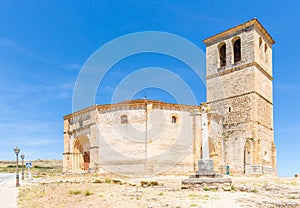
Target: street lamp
{"x":17,"y":150}
{"x":22,"y":156}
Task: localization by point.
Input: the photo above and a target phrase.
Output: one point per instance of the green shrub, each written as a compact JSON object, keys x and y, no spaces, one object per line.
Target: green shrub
{"x":206,"y":189}
{"x":76,"y":192}
{"x":87,"y":193}
{"x":107,"y":180}
{"x":233,"y":188}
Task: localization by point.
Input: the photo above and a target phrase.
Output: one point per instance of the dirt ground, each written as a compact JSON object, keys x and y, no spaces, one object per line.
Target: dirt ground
{"x":98,"y":191}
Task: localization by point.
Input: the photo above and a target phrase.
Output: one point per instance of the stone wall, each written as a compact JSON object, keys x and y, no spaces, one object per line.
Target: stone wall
{"x":241,"y":92}
{"x":162,"y":142}
{"x":156,"y":138}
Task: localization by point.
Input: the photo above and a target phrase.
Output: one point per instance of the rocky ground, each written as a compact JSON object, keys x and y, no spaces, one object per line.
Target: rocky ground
{"x":100,"y":191}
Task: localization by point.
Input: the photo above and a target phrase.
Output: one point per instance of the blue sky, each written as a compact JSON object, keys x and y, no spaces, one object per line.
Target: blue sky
{"x":44,"y":44}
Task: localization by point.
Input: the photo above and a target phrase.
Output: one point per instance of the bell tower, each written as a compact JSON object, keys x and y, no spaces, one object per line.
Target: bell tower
{"x":239,"y":88}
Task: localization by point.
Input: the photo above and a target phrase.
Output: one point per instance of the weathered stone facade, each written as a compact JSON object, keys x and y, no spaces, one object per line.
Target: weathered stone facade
{"x":149,"y":137}
{"x":134,"y":137}
{"x":240,"y":90}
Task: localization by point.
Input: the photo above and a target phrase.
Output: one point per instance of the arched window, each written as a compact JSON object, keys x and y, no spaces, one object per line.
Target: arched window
{"x":260,"y":41}
{"x":266,"y":52}
{"x":260,"y":47}
{"x":174,"y":119}
{"x":80,"y":122}
{"x":237,"y":50}
{"x":266,"y":48}
{"x":124,"y":119}
{"x":222,"y":54}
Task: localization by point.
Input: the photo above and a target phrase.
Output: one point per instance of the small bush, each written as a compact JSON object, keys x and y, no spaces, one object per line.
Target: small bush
{"x":209,"y":189}
{"x":98,"y":181}
{"x":192,"y":195}
{"x":76,"y":192}
{"x":87,"y":193}
{"x":107,"y":180}
{"x":233,"y":188}
{"x":42,"y":167}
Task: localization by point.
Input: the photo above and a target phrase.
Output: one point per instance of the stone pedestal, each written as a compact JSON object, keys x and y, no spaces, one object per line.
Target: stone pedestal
{"x":205,"y":168}
{"x":206,"y":178}
{"x":206,"y":184}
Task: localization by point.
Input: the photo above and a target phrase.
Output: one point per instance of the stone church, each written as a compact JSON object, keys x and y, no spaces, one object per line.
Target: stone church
{"x":147,"y":137}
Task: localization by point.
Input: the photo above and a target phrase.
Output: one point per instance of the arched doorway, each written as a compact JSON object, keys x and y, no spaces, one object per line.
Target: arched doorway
{"x":81,"y":153}
{"x":247,"y":155}
{"x":215,"y":154}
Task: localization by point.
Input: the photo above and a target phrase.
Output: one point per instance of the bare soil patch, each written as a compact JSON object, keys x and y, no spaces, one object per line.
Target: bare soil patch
{"x":105,"y":191}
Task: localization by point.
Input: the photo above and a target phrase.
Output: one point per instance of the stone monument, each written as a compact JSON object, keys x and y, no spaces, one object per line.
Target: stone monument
{"x":205,"y":176}
{"x":205,"y":165}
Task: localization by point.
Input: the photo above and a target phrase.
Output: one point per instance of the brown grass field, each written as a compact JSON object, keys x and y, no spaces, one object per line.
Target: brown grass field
{"x":50,"y":188}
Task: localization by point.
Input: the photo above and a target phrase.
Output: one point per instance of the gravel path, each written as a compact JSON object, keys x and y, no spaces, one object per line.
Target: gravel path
{"x":8,"y":190}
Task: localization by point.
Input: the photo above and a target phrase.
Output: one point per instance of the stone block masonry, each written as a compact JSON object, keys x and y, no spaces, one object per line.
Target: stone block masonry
{"x":233,"y":129}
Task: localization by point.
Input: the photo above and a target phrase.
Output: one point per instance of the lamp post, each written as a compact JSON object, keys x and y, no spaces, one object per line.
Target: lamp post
{"x":146,"y":133}
{"x":22,"y":156}
{"x":17,"y":150}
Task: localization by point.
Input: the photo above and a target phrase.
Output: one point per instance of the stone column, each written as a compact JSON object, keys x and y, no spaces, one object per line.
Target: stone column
{"x":205,"y":165}
{"x":204,"y":124}
{"x":94,"y":148}
{"x":67,"y":166}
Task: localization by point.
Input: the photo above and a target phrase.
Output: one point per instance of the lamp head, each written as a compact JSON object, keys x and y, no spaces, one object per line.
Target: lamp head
{"x":17,"y":150}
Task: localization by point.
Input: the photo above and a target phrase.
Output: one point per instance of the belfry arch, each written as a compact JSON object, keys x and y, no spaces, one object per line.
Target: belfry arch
{"x":81,"y":153}
{"x":248,"y":154}
{"x":215,"y":153}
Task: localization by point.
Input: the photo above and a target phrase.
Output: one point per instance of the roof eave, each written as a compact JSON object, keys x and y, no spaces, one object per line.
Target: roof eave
{"x":238,"y":27}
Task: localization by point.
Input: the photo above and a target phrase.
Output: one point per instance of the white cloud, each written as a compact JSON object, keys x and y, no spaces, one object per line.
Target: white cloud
{"x":26,"y":127}
{"x":64,"y":95}
{"x":71,"y":66}
{"x":38,"y":142}
{"x":13,"y":45}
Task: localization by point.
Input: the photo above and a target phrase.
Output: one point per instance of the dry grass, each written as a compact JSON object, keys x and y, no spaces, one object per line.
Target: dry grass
{"x":93,"y":190}
{"x":40,"y":168}
{"x":80,"y":191}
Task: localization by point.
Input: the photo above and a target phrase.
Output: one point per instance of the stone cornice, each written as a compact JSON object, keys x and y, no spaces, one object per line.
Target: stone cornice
{"x":239,"y":123}
{"x":240,"y":95}
{"x":79,"y":112}
{"x":135,"y":104}
{"x":94,"y":147}
{"x":253,"y":22}
{"x":140,"y":104}
{"x":238,"y":68}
